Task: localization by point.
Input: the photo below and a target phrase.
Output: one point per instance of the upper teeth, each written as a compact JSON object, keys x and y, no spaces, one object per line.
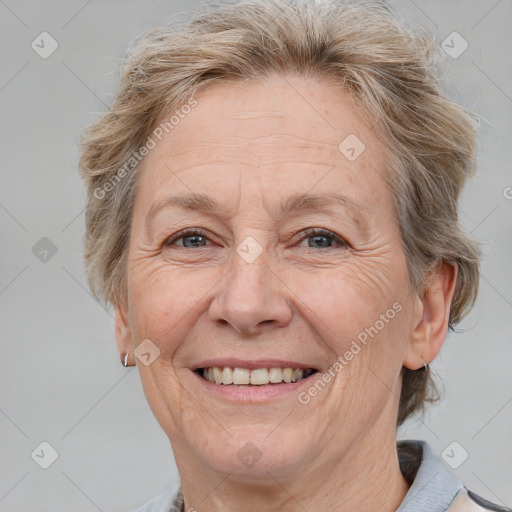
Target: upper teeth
{"x":259,"y":377}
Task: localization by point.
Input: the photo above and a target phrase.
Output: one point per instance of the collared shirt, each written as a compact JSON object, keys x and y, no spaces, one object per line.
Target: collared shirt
{"x":432,"y":487}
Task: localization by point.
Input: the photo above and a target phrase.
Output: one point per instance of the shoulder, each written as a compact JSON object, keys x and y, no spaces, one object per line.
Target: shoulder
{"x":170,"y":500}
{"x":467,"y":501}
{"x":432,"y":487}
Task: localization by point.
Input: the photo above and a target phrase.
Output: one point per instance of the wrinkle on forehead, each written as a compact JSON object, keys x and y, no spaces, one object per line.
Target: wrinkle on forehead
{"x":250,"y":115}
{"x":254,"y":142}
{"x":257,"y":151}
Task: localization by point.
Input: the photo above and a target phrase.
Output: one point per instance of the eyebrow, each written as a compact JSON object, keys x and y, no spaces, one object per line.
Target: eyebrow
{"x":296,"y":203}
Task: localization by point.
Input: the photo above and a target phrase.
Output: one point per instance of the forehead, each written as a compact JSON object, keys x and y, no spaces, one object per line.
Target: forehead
{"x":272,"y":137}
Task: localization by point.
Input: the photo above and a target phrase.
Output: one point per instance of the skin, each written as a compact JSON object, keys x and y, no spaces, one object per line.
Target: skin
{"x":248,"y":146}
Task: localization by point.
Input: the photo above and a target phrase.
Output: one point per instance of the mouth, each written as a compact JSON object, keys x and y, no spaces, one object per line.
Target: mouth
{"x":246,"y":377}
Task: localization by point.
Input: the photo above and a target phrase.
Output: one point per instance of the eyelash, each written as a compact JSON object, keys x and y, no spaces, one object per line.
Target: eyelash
{"x":307,"y":233}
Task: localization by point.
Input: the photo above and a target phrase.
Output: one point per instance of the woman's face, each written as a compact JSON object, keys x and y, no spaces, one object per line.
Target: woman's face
{"x":292,"y":259}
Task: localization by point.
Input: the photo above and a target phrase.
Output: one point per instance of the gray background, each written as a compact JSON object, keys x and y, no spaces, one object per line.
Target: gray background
{"x":61,"y":380}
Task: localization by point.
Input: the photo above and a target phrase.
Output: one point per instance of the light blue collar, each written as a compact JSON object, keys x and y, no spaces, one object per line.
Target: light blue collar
{"x":434,"y":487}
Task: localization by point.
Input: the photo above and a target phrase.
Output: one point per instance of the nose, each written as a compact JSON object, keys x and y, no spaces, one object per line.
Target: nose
{"x":251,"y":297}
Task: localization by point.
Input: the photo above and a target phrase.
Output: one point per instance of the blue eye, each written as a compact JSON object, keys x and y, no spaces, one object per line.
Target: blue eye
{"x":323,"y":237}
{"x":195,"y":238}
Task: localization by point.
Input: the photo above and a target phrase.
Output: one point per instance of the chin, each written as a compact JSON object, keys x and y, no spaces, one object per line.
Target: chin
{"x":256,"y":453}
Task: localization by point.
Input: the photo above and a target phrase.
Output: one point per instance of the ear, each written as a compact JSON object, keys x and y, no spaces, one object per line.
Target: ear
{"x":122,"y":332}
{"x":429,"y":333}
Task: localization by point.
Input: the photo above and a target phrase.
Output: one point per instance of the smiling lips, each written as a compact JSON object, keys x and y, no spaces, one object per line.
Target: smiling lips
{"x":257,"y":377}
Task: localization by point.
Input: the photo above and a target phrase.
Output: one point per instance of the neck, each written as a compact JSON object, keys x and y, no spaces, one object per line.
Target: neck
{"x":365,"y":478}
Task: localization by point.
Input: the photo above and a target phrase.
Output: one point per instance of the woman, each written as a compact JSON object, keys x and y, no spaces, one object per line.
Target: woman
{"x":272,"y":212}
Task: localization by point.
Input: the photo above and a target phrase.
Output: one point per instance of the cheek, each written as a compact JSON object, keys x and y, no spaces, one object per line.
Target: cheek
{"x":343,"y":303}
{"x":163,"y":304}
{"x":164,"y":395}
